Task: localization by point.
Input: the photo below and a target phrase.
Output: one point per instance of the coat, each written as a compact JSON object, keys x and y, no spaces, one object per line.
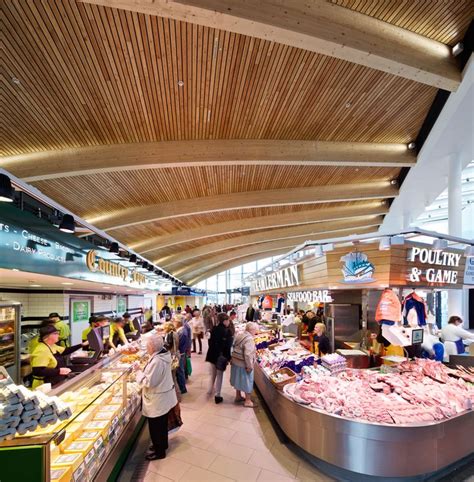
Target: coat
{"x":158,"y":392}
{"x":220,"y":342}
{"x":244,"y":354}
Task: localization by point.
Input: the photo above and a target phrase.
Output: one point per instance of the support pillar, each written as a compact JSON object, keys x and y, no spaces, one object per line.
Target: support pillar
{"x":455,"y":297}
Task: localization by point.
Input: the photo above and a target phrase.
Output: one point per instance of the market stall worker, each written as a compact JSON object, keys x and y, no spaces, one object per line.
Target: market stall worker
{"x":322,"y":346}
{"x":117,"y":335}
{"x":62,"y":327}
{"x":128,"y":326}
{"x":48,"y":359}
{"x":33,"y":343}
{"x":453,"y":336}
{"x":92,"y":324}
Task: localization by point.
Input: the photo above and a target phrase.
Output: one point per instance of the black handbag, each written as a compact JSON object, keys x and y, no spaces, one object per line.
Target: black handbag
{"x":221,"y":363}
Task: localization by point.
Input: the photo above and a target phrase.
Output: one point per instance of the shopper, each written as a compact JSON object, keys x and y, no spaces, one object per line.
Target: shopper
{"x":165,"y":312}
{"x":48,"y":360}
{"x":158,"y":395}
{"x":453,"y":336}
{"x":197,"y":326}
{"x":243,"y":361}
{"x":232,"y":319}
{"x":62,"y":327}
{"x":117,"y":335}
{"x":182,"y":345}
{"x":218,"y":354}
{"x":207,"y":316}
{"x":171,"y":340}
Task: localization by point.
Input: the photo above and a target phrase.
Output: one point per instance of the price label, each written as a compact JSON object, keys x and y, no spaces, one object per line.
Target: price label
{"x":98,"y":444}
{"x":79,"y":472}
{"x":89,"y":456}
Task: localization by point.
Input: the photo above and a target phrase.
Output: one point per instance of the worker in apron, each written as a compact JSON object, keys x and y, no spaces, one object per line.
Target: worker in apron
{"x":453,"y":336}
{"x":48,"y":360}
{"x":63,"y":328}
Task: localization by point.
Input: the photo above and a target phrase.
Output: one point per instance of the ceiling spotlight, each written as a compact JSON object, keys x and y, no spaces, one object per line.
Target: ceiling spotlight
{"x":67,"y":224}
{"x":114,"y":248}
{"x":411,"y":145}
{"x":393,"y":182}
{"x":145,"y":265}
{"x":133,"y":258}
{"x":458,"y":48}
{"x":150,"y":268}
{"x":6,"y":190}
{"x":439,"y":244}
{"x":318,"y":251}
{"x":16,"y":81}
{"x":180,"y":83}
{"x":384,"y":244}
{"x":397,"y":241}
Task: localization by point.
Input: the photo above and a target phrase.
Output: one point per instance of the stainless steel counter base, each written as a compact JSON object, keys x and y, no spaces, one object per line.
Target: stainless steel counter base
{"x":378,"y":450}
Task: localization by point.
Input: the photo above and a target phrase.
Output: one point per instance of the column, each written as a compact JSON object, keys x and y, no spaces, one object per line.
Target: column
{"x":455,"y":297}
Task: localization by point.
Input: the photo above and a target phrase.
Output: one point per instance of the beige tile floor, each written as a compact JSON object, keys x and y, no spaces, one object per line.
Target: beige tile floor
{"x":220,"y":443}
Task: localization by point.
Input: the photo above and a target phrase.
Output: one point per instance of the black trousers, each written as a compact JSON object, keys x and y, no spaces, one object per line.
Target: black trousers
{"x":199,"y":339}
{"x":158,"y":427}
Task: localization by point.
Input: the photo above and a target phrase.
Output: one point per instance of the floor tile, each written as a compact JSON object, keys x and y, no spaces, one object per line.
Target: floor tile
{"x":234,"y":469}
{"x":267,"y":476}
{"x":216,"y":431}
{"x":169,"y":467}
{"x":193,"y":455}
{"x":258,"y":443}
{"x":153,"y":477}
{"x":196,"y":474}
{"x":231,"y":450}
{"x":267,"y":460}
{"x":192,"y":438}
{"x":307,"y":473}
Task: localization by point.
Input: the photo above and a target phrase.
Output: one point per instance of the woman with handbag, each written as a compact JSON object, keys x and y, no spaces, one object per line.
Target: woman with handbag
{"x":218,"y":354}
{"x":158,"y":395}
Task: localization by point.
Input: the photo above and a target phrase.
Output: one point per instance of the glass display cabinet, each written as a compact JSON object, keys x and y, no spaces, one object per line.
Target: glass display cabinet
{"x":10,"y":332}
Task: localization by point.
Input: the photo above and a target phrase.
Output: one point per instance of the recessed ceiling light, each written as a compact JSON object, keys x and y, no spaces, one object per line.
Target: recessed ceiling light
{"x":67,"y":283}
{"x":393,"y":182}
{"x":411,"y":145}
{"x":348,"y":104}
{"x":180,"y":83}
{"x":16,"y":81}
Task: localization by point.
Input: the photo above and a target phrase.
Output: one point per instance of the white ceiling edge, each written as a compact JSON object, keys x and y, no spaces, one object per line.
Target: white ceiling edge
{"x":451,"y":136}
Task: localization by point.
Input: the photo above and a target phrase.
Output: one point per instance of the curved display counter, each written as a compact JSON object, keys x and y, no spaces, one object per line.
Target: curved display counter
{"x":369,"y":448}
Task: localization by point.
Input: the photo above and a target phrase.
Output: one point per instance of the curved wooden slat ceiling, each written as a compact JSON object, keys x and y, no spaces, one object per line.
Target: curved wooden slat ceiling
{"x":189,"y":132}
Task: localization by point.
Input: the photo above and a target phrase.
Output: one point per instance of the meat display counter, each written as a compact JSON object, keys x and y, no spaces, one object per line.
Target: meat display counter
{"x":90,"y":445}
{"x":381,"y":433}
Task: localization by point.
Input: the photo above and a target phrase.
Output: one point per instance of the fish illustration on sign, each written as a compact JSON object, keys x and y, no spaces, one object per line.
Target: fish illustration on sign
{"x":357,"y":268}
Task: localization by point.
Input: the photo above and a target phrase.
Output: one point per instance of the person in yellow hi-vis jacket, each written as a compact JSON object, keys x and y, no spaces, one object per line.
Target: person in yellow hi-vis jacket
{"x":63,"y":328}
{"x":48,"y":358}
{"x":117,"y":333}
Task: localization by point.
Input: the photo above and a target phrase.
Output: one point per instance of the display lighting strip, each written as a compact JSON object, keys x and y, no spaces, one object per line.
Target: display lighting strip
{"x":441,"y":241}
{"x":114,"y":246}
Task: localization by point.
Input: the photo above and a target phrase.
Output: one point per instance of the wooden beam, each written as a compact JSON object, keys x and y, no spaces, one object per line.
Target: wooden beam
{"x":39,"y":166}
{"x":244,"y":200}
{"x":288,"y":243}
{"x":318,"y":26}
{"x":274,"y":234}
{"x":254,"y":223}
{"x":192,"y":279}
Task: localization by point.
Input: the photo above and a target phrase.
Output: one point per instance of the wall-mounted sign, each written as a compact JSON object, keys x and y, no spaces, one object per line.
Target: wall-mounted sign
{"x":33,"y":245}
{"x":80,"y":311}
{"x":357,"y":268}
{"x":284,"y":278}
{"x":444,"y":259}
{"x":313,"y":296}
{"x":469,"y":271}
{"x":121,"y":305}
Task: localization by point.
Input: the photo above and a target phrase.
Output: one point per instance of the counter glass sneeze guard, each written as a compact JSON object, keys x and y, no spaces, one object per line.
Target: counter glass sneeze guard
{"x":116,"y":393}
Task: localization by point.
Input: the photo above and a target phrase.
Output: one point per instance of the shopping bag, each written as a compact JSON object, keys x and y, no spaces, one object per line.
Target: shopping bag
{"x":174,"y":418}
{"x":189,"y":368}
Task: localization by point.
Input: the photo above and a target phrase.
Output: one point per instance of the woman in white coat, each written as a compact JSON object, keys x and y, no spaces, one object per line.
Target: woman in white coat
{"x":158,"y":395}
{"x":453,"y":336}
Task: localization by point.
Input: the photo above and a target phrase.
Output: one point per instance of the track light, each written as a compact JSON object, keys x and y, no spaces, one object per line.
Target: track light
{"x":6,"y":190}
{"x":150,"y":268}
{"x":328,"y":247}
{"x":114,"y":247}
{"x":145,"y":265}
{"x":318,"y":251}
{"x":458,"y":48}
{"x":411,"y":145}
{"x":393,"y":182}
{"x":67,"y":224}
{"x":397,"y":241}
{"x":133,"y":258}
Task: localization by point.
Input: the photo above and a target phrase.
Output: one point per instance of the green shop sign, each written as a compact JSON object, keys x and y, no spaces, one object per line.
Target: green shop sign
{"x":32,"y":244}
{"x":81,"y":310}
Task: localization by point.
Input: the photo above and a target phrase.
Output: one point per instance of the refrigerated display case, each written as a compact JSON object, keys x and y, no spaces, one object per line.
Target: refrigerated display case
{"x":10,"y":332}
{"x":92,"y":444}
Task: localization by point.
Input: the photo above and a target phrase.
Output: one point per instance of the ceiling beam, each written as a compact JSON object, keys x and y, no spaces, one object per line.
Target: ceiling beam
{"x":244,"y":200}
{"x":195,"y":268}
{"x":318,"y":26}
{"x":254,"y":223}
{"x":40,"y":166}
{"x":274,"y":234}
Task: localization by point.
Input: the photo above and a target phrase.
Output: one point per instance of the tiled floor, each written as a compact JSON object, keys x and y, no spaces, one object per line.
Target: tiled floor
{"x":220,"y":443}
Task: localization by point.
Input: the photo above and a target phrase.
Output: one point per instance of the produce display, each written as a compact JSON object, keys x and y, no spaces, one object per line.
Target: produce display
{"x":23,"y":411}
{"x":423,"y":391}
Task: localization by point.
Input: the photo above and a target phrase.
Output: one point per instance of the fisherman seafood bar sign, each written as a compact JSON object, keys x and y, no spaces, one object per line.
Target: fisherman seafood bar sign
{"x":284,"y":278}
{"x":443,"y":266}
